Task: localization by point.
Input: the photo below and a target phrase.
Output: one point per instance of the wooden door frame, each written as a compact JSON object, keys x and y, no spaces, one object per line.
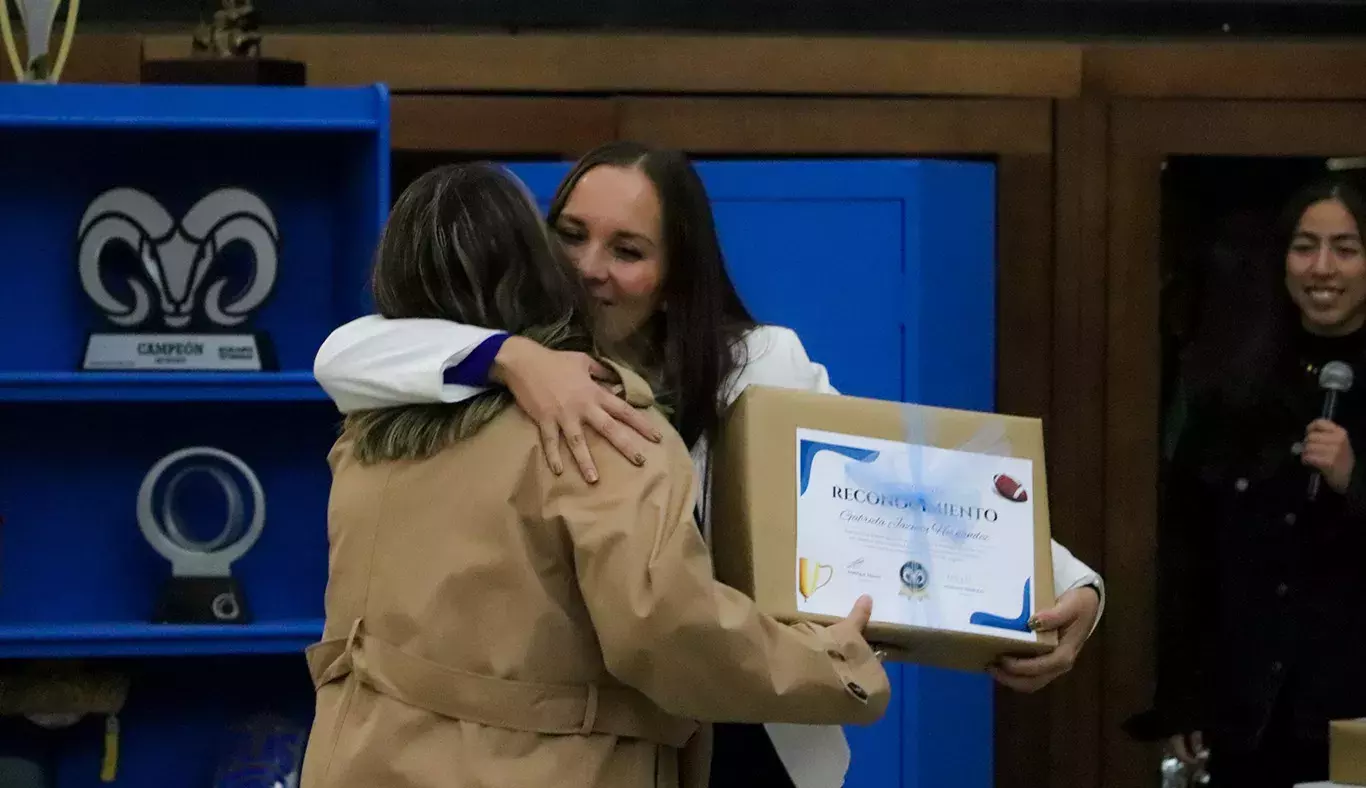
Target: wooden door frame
{"x":510,"y":125}
{"x":1037,"y":735}
{"x":1141,"y":135}
{"x":1076,"y":441}
{"x":1017,"y":133}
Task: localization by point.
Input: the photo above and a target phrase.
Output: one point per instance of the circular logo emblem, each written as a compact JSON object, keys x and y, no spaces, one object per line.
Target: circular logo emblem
{"x":914,"y":577}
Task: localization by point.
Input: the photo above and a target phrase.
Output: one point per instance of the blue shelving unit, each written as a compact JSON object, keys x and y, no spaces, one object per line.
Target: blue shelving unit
{"x":135,"y":639}
{"x":77,"y":579}
{"x":295,"y":385}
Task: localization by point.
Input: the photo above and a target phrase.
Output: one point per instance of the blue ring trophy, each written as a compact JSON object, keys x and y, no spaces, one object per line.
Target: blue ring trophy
{"x":37,"y":18}
{"x":202,"y":588}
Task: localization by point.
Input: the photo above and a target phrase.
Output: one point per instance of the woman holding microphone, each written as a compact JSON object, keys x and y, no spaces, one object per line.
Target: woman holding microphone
{"x":638,"y":226}
{"x":1262,"y":537}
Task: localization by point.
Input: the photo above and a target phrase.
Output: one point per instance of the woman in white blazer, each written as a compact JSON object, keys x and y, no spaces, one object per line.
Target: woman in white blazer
{"x":637,"y":223}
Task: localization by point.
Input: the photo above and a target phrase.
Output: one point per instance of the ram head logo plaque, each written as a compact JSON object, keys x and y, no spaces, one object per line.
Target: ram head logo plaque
{"x":180,"y":309}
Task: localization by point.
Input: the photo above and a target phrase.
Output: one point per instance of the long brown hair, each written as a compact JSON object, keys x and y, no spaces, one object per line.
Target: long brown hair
{"x":465,"y":243}
{"x":696,"y":343}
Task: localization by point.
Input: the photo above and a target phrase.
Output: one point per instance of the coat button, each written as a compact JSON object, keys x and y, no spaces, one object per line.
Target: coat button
{"x":1282,"y":590}
{"x":859,"y":692}
{"x":1290,"y":518}
{"x":1240,"y":485}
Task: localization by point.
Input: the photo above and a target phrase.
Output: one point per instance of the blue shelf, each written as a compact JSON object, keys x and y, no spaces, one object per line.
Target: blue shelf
{"x":159,"y":387}
{"x":138,"y":639}
{"x":219,"y":109}
{"x":80,"y":443}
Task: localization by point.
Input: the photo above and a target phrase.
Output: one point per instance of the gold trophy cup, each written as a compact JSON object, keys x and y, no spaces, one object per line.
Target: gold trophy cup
{"x":37,"y":18}
{"x":809,"y":574}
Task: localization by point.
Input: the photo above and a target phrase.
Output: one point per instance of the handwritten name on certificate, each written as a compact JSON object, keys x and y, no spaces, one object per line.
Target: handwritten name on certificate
{"x":939,"y":538}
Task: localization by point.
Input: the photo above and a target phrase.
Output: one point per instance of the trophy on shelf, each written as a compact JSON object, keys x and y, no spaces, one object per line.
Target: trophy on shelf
{"x":232,"y":33}
{"x":226,"y":50}
{"x":180,"y":274}
{"x":202,"y":589}
{"x":37,"y":18}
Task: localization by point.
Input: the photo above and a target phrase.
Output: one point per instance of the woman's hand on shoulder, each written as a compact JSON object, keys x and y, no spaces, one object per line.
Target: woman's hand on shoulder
{"x":560,"y":391}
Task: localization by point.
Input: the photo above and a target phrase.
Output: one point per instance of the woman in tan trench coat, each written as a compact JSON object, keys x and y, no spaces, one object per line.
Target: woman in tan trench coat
{"x":492,"y":623}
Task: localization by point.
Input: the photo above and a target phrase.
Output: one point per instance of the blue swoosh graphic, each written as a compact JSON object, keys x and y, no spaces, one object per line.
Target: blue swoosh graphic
{"x":809,"y":450}
{"x":1017,"y":624}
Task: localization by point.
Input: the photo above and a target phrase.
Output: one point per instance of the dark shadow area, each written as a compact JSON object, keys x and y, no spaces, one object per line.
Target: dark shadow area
{"x":1335,"y":18}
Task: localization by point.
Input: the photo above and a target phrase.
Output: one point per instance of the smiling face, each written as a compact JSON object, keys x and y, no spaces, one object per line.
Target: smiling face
{"x":611,"y":229}
{"x":1325,"y":270}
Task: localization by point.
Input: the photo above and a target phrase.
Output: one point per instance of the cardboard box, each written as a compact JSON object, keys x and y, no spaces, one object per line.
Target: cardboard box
{"x":940,"y":515}
{"x":1347,"y":751}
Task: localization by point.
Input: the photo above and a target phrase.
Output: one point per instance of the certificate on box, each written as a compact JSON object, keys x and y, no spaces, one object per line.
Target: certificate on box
{"x":939,"y":538}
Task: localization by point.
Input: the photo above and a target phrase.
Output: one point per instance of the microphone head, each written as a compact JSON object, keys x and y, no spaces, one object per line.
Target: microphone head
{"x":1336,"y":376}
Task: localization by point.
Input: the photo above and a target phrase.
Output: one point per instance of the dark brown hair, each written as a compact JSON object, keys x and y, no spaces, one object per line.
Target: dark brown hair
{"x":696,"y":342}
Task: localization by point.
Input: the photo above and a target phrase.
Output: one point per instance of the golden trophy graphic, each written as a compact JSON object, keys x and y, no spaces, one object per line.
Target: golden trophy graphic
{"x":809,"y":574}
{"x":37,"y":18}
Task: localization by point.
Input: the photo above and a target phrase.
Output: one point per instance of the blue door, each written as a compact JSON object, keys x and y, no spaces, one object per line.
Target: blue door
{"x":886,"y":270}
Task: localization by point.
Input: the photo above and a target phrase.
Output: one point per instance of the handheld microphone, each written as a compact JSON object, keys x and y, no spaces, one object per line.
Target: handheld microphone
{"x":1334,"y":379}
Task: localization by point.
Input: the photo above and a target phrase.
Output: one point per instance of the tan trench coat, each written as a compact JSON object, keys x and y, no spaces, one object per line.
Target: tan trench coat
{"x":491,"y":624}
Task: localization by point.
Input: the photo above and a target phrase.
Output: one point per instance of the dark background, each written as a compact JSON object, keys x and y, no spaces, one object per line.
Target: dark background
{"x":888,"y":17}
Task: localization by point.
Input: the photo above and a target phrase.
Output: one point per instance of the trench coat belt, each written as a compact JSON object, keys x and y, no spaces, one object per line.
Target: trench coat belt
{"x":553,"y":709}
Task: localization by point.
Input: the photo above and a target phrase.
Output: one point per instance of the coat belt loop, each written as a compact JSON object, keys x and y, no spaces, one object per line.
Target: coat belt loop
{"x":352,"y":642}
{"x":590,"y":710}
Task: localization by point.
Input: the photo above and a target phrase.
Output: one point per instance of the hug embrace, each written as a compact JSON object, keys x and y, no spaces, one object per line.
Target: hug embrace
{"x":520,"y":587}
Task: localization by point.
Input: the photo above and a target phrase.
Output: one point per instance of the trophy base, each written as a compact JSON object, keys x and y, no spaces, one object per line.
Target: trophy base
{"x":203,"y":600}
{"x":130,"y":352}
{"x":224,"y":71}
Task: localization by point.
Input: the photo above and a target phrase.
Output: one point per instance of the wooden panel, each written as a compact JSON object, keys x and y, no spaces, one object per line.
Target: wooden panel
{"x":1053,"y":739}
{"x":1075,"y":430}
{"x":1024,"y":288}
{"x":100,"y":58}
{"x":1252,"y":69}
{"x":1131,"y":444}
{"x":1247,"y":128}
{"x":564,"y":126}
{"x":1142,"y":134}
{"x":843,"y":126}
{"x":1024,"y":353}
{"x":673,"y":63}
